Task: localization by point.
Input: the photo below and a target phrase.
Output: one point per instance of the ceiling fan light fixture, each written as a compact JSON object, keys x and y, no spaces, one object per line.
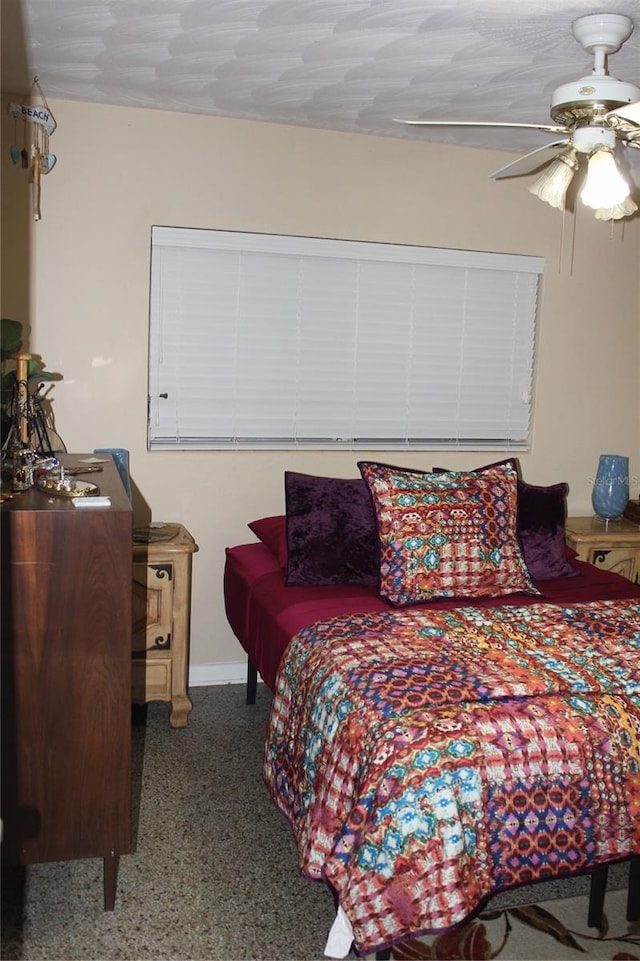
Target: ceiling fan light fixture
{"x":552,"y":184}
{"x":605,"y":187}
{"x":593,"y":137}
{"x":618,"y":211}
{"x":597,"y":117}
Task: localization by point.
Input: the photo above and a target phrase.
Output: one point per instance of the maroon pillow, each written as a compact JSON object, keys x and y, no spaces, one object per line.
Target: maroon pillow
{"x":331,"y":531}
{"x":540,"y":525}
{"x":272,"y":531}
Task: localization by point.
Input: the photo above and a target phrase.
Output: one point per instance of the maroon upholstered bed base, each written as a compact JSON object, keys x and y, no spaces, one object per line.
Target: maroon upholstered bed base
{"x":264,"y":614}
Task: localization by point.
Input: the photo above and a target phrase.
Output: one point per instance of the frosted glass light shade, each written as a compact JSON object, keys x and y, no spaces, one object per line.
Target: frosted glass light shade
{"x":605,"y":187}
{"x":618,"y":211}
{"x":553,"y":183}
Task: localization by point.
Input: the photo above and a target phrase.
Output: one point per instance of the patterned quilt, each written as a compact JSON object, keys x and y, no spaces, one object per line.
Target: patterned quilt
{"x":428,"y":759}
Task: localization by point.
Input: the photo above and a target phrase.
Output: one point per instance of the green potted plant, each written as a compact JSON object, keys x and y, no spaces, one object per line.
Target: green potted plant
{"x":46,"y":439}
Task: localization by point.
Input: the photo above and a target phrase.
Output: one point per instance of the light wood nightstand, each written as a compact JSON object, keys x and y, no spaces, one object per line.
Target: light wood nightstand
{"x":612,"y":545}
{"x":161,"y":622}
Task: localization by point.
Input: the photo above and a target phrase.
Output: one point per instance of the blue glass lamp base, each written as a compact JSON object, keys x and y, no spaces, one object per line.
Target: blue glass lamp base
{"x":611,"y":487}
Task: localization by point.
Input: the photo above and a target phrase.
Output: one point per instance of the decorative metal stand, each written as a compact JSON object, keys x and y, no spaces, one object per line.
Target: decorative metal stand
{"x":29,"y":441}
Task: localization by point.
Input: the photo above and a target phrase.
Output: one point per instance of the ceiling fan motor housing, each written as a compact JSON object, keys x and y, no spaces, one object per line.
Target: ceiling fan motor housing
{"x":590,"y":97}
{"x":603,"y":32}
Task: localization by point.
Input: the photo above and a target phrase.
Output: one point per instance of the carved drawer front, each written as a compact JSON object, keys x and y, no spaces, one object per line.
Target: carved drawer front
{"x":161,"y":619}
{"x":153,"y":586}
{"x":151,"y":680}
{"x":621,"y":560}
{"x":614,"y":546}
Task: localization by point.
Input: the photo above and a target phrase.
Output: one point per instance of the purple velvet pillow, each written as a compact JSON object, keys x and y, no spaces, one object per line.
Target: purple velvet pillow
{"x":331,"y":531}
{"x":541,"y":518}
{"x":272,"y":531}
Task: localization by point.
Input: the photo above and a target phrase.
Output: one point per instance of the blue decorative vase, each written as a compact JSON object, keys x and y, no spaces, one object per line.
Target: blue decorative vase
{"x":611,"y":487}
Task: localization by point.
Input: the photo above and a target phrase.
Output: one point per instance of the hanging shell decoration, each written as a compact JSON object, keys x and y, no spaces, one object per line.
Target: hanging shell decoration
{"x":37,"y":126}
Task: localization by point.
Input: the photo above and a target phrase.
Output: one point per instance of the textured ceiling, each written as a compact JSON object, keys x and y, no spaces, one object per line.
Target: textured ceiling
{"x":350,"y":65}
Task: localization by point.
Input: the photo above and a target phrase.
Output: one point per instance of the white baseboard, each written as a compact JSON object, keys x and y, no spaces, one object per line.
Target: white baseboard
{"x":229,"y":672}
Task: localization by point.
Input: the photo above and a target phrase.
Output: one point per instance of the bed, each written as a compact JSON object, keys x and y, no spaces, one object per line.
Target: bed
{"x":430,"y":747}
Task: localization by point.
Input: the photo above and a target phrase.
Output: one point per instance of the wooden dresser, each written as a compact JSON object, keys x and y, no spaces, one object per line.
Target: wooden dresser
{"x":66,"y":677}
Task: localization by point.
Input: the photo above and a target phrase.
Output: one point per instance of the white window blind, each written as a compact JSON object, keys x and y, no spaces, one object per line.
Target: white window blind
{"x":266,"y":341}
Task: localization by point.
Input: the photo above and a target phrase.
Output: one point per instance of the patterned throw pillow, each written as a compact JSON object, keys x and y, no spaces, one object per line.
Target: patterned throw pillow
{"x":540,"y":524}
{"x":446,"y":535}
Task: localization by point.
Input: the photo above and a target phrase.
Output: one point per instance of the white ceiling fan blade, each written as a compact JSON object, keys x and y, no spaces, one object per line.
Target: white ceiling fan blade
{"x":531,"y":161}
{"x":630,"y":112}
{"x":549,"y":128}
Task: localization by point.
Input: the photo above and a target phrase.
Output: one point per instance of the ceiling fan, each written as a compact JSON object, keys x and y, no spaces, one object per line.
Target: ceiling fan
{"x":599,"y":117}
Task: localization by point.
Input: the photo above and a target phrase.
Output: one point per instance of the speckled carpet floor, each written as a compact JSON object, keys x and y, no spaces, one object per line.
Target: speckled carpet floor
{"x":213,"y":875}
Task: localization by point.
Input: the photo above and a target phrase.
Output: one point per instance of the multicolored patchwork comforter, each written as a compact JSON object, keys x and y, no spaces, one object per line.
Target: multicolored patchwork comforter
{"x":426,"y":760}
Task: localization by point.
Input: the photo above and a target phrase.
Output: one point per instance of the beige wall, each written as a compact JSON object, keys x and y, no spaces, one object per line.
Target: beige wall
{"x":80,"y":279}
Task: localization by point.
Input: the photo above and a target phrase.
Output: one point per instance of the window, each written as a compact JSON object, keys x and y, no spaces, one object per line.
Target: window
{"x":263,"y":341}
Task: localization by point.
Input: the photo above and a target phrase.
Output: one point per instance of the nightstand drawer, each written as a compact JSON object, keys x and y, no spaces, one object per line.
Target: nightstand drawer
{"x":152,"y":606}
{"x":151,"y":680}
{"x":622,"y":560}
{"x":161,"y":616}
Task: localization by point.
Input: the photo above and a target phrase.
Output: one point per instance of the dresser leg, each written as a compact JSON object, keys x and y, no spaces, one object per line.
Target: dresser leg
{"x":110,"y":878}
